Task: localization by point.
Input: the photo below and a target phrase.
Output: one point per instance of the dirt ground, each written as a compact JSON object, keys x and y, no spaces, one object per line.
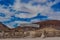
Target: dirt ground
{"x":49,"y":38}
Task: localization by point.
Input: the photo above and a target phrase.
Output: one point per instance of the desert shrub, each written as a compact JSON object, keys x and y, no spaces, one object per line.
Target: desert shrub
{"x":26,"y":34}
{"x":51,"y":34}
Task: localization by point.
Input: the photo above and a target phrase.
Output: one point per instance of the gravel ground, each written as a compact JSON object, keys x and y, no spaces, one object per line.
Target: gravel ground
{"x":50,"y":38}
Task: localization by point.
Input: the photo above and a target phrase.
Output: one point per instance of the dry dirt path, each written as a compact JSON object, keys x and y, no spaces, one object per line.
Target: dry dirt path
{"x":50,"y":38}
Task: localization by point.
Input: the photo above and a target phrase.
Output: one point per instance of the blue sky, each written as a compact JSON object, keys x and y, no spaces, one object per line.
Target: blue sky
{"x":15,"y":12}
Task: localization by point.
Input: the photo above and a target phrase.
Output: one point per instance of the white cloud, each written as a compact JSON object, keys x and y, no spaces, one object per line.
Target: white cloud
{"x":17,"y":5}
{"x":54,"y":16}
{"x":35,"y":20}
{"x":6,"y":12}
{"x":11,"y":25}
{"x":33,"y":10}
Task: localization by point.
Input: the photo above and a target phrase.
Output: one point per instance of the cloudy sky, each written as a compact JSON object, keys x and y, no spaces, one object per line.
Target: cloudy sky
{"x":15,"y":12}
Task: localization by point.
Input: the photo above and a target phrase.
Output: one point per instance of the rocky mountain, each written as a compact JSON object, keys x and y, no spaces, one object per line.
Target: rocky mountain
{"x":49,"y":23}
{"x":3,"y":27}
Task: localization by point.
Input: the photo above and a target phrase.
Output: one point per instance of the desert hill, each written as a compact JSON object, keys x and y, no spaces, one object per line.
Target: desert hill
{"x":50,"y":23}
{"x":3,"y":27}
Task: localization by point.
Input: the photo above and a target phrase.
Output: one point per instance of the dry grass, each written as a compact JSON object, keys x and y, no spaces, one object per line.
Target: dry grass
{"x":46,"y":32}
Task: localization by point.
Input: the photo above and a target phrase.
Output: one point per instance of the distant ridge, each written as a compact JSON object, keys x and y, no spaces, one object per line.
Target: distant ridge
{"x":49,"y":23}
{"x":3,"y":27}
